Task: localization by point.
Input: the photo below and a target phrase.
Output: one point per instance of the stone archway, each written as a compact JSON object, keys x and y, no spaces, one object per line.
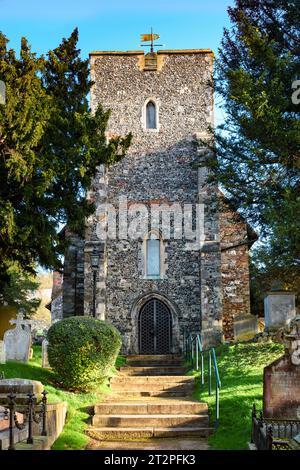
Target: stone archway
{"x":137,"y":308}
{"x":155,"y":328}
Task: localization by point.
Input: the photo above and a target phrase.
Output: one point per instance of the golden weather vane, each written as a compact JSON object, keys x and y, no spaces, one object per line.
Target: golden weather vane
{"x":150,"y":38}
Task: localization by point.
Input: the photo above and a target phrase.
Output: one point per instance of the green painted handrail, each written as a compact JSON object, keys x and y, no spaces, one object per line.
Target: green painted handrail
{"x":193,"y":351}
{"x":216,"y":367}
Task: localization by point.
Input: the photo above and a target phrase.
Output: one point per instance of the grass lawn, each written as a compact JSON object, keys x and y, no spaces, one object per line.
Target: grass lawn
{"x":72,"y":437}
{"x":241,"y":373}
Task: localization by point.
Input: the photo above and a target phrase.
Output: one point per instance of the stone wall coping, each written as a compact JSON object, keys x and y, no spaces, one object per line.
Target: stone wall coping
{"x":244,"y":316}
{"x":116,"y":53}
{"x":186,"y":51}
{"x":279,"y":292}
{"x":54,"y":406}
{"x":285,"y":357}
{"x":168,"y":51}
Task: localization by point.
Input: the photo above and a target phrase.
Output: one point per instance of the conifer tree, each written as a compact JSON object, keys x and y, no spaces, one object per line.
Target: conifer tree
{"x":21,"y":290}
{"x":50,"y":147}
{"x":258,"y":146}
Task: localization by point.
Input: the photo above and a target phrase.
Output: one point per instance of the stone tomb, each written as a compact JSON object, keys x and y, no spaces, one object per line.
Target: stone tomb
{"x":20,"y":388}
{"x":282,"y":378}
{"x":2,"y":353}
{"x":18,"y":341}
{"x":245,"y":327}
{"x":279,"y":309}
{"x":45,"y":362}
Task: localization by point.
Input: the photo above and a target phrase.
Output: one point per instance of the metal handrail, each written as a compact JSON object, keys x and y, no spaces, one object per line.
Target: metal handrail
{"x":193,"y":351}
{"x":216,"y":366}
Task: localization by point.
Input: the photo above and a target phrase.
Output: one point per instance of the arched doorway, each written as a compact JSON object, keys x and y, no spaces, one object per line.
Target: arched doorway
{"x":155,"y":328}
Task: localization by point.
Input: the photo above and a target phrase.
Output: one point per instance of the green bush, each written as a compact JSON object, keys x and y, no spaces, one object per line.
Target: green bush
{"x":82,"y":350}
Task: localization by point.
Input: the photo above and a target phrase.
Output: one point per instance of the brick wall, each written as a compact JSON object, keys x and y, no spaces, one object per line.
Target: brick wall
{"x":234,"y":266}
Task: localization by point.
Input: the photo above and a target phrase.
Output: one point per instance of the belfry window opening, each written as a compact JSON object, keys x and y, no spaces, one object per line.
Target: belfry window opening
{"x":151,"y":115}
{"x":153,"y":256}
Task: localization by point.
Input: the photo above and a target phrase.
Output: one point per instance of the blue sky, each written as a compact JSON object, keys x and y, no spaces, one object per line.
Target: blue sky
{"x":115,"y":24}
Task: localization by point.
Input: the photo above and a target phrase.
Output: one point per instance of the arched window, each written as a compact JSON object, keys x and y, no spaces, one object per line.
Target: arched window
{"x":151,"y":115}
{"x":153,"y":256}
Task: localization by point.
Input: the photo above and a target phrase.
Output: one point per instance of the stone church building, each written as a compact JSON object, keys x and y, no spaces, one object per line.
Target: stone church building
{"x":154,"y":287}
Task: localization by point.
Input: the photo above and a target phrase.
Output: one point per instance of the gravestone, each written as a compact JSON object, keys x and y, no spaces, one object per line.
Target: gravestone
{"x":2,"y":353}
{"x":280,"y":308}
{"x":282,"y":378}
{"x":245,"y":327}
{"x":45,"y":362}
{"x":20,"y":388}
{"x":18,"y":341}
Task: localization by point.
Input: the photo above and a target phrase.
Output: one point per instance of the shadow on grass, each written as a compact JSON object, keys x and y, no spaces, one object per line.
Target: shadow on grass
{"x":88,"y":411}
{"x":120,"y":362}
{"x":13,"y":369}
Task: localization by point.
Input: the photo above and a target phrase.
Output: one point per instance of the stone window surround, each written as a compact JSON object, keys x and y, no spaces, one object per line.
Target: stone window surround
{"x":151,"y":115}
{"x":162,"y":256}
{"x":156,"y":103}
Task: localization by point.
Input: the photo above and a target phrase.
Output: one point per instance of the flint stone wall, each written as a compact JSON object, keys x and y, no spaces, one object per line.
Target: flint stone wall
{"x":235,"y":244}
{"x":157,"y":169}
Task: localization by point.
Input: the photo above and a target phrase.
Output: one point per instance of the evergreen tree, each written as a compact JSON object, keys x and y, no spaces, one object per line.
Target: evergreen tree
{"x":50,"y":147}
{"x":20,"y":291}
{"x":258,"y":146}
{"x":23,"y":120}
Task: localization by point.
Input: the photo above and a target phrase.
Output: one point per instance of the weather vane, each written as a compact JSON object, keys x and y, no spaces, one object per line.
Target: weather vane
{"x":150,"y":38}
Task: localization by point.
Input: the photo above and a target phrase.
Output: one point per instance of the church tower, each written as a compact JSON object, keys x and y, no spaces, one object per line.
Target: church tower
{"x":151,"y":284}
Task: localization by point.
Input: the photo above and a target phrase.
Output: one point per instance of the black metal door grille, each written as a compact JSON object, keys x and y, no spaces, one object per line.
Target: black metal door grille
{"x":155,"y":328}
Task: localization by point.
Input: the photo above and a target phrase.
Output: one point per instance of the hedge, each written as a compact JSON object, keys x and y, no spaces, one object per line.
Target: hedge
{"x":82,"y":351}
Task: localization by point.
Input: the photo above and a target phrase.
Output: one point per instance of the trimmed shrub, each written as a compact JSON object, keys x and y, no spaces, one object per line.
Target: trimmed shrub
{"x":82,"y":351}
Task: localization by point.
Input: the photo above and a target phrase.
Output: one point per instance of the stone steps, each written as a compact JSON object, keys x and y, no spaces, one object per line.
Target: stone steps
{"x":152,"y":379}
{"x":153,"y":384}
{"x":150,"y":400}
{"x":154,"y":370}
{"x":163,"y":406}
{"x":184,"y":391}
{"x":145,"y":387}
{"x":160,"y":445}
{"x":153,"y":357}
{"x":150,"y":420}
{"x":152,"y":363}
{"x":115,"y":434}
{"x":156,"y":361}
